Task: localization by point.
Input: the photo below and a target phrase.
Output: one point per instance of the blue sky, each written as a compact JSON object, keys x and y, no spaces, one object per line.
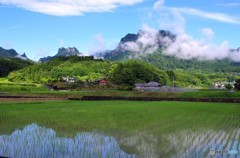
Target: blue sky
{"x":40,"y":27}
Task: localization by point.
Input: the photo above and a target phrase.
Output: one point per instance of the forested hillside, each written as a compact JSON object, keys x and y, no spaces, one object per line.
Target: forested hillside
{"x":10,"y":64}
{"x":125,"y":73}
{"x":162,"y":61}
{"x":81,"y":67}
{"x":171,"y":62}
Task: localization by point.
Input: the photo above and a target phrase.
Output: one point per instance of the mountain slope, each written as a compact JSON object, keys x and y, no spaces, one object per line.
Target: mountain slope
{"x":10,"y":60}
{"x":10,"y":64}
{"x":81,"y":67}
{"x":133,"y":46}
{"x":11,"y":53}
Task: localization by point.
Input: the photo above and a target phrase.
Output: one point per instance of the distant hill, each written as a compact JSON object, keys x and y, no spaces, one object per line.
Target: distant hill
{"x":62,"y":52}
{"x":11,"y":53}
{"x":10,"y":60}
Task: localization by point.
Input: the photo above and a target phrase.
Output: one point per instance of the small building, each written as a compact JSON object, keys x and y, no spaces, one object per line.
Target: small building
{"x":103,"y":82}
{"x":151,"y":86}
{"x":69,"y":79}
{"x":100,"y":82}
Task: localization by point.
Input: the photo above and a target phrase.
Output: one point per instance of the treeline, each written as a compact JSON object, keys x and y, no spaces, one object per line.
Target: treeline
{"x":134,"y":71}
{"x":170,"y":62}
{"x":10,"y":64}
{"x":123,"y":74}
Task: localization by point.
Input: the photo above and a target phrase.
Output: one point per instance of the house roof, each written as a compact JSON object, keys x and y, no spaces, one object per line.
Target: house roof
{"x":150,"y":84}
{"x":103,"y":81}
{"x":153,"y":84}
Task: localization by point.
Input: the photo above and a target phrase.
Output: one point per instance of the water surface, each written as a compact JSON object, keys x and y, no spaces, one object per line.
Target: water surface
{"x":41,"y":142}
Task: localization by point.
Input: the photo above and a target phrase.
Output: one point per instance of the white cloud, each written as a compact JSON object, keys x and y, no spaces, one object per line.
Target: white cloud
{"x":146,"y":43}
{"x":173,"y":21}
{"x":97,"y":45}
{"x":209,"y":15}
{"x":208,"y":33}
{"x":158,"y":4}
{"x":229,"y":4}
{"x":186,"y":47}
{"x":69,"y":7}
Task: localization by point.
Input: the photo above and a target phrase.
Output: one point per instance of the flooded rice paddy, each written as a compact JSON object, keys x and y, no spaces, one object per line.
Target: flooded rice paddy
{"x":41,"y":142}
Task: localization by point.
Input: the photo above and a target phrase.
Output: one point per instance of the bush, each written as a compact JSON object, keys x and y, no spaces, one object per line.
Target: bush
{"x":228,"y":86}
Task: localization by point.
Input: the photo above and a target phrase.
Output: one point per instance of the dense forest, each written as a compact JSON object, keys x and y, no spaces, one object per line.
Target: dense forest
{"x":171,"y":62}
{"x":10,"y":64}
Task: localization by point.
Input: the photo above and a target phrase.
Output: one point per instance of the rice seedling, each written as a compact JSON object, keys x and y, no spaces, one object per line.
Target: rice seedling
{"x":142,"y":129}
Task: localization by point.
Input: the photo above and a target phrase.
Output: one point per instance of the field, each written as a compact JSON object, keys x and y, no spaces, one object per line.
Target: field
{"x":147,"y":129}
{"x":37,"y":90}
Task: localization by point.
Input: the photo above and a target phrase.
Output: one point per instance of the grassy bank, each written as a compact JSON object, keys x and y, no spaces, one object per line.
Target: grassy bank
{"x":150,"y":122}
{"x":31,"y":89}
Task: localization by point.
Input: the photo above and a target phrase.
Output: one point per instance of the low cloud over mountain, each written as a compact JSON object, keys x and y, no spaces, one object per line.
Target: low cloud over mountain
{"x":183,"y":46}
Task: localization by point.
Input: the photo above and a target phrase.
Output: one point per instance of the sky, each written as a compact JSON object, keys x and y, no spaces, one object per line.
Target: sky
{"x":40,"y":27}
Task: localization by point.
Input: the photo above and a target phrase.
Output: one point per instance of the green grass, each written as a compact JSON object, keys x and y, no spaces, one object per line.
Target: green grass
{"x":14,"y":87}
{"x":32,"y":89}
{"x":210,"y":94}
{"x":106,"y":115}
{"x":121,"y":118}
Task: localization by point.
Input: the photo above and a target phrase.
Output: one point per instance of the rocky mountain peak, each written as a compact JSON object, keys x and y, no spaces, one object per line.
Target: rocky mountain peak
{"x":70,"y":51}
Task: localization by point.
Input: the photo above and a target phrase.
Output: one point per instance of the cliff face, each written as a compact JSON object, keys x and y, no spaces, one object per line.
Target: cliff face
{"x":70,"y":51}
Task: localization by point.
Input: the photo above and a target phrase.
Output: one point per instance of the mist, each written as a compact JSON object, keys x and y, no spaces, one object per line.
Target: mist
{"x":183,"y":46}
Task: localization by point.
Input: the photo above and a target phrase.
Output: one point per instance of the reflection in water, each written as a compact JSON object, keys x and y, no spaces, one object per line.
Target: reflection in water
{"x":199,"y":144}
{"x":35,"y":141}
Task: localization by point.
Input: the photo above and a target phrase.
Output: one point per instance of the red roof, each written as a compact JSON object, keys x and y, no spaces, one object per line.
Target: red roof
{"x":103,"y":81}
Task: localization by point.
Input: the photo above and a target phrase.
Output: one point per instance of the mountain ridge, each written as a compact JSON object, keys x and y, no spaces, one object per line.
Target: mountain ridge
{"x":11,"y":53}
{"x":120,"y":52}
{"x":70,"y":51}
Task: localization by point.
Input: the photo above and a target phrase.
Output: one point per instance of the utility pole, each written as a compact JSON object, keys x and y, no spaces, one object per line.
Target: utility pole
{"x":173,"y":82}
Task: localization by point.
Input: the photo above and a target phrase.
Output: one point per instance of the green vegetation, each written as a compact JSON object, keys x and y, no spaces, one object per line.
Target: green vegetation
{"x":10,"y":64}
{"x":148,"y":122}
{"x":170,"y":62}
{"x":123,"y":74}
{"x":12,"y":87}
{"x":84,"y":68}
{"x":133,"y":71}
{"x":32,"y":89}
